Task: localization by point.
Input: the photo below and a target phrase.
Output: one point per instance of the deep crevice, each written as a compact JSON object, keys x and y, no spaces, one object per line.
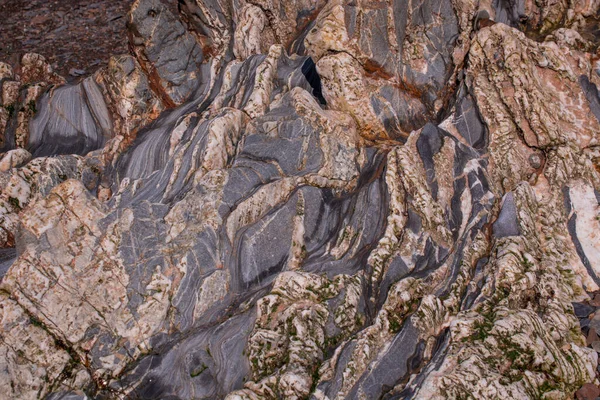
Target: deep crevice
{"x":309,"y":70}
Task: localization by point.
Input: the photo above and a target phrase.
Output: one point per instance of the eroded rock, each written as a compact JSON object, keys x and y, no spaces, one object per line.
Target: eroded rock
{"x":166,"y":50}
{"x":412,"y":212}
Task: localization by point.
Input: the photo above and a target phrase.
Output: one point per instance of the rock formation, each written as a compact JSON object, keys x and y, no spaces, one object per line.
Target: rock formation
{"x":308,"y":200}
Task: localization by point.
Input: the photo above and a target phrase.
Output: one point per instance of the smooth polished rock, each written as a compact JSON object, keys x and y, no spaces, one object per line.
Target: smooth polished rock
{"x":71,"y":120}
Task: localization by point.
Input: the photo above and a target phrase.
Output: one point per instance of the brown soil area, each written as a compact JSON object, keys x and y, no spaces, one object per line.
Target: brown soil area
{"x":71,"y":34}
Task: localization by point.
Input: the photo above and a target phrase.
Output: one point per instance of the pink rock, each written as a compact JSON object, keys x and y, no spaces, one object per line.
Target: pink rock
{"x":588,"y":391}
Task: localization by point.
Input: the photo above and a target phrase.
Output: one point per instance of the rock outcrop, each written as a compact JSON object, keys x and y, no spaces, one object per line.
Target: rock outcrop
{"x":324,"y":200}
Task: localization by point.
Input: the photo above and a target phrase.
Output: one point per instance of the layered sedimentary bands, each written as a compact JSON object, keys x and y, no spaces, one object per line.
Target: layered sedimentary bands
{"x":272,"y":199}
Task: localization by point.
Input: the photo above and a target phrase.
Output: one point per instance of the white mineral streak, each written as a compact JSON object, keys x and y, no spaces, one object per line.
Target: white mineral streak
{"x":127,"y":88}
{"x":263,"y":83}
{"x":214,"y":288}
{"x":344,"y":89}
{"x":30,"y":369}
{"x":298,"y":247}
{"x":252,"y":33}
{"x":585,"y":206}
{"x":261,"y":202}
{"x":413,"y":179}
{"x":340,"y":143}
{"x":402,"y":297}
{"x":25,"y":185}
{"x":388,"y":245}
{"x":13,"y":159}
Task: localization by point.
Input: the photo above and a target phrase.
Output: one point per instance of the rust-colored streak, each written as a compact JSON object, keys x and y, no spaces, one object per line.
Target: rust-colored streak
{"x":155,"y":85}
{"x":301,"y":24}
{"x":150,"y":71}
{"x":10,"y":239}
{"x":208,"y":52}
{"x":484,"y":23}
{"x":410,"y":89}
{"x":154,"y":81}
{"x":373,"y":69}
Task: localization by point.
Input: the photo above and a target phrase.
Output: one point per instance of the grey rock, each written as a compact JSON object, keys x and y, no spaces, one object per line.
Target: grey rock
{"x":71,"y":120}
{"x":7,"y":257}
{"x":407,"y":71}
{"x":507,"y":224}
{"x":591,"y":94}
{"x":510,"y":12}
{"x":468,"y":122}
{"x":77,"y":72}
{"x":583,"y":310}
{"x":166,"y":50}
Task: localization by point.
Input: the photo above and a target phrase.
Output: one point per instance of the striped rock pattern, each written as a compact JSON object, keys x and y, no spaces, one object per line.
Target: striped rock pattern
{"x":307,"y":200}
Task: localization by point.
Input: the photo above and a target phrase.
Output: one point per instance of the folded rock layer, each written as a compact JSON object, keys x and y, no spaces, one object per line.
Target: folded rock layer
{"x":307,"y":200}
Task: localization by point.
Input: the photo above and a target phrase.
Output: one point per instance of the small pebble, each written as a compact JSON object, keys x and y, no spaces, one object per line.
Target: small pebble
{"x":591,"y":336}
{"x":535,"y":160}
{"x":583,"y":310}
{"x":589,"y":391}
{"x":76,"y":72}
{"x":584,"y":325}
{"x":595,"y":322}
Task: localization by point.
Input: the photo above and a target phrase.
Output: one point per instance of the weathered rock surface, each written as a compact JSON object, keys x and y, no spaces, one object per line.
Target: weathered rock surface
{"x":325,"y":200}
{"x":388,"y":64}
{"x":166,"y":50}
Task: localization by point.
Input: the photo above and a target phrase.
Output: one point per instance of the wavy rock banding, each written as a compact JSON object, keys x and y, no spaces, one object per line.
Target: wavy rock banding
{"x":324,"y":200}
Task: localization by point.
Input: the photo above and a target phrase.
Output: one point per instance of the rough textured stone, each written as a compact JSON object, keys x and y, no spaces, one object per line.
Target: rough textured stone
{"x":130,"y":98}
{"x":388,"y":64}
{"x":324,"y":200}
{"x":166,"y":50}
{"x":19,"y":95}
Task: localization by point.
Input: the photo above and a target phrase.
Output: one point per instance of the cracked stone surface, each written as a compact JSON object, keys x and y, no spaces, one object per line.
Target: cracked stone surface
{"x":308,"y":200}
